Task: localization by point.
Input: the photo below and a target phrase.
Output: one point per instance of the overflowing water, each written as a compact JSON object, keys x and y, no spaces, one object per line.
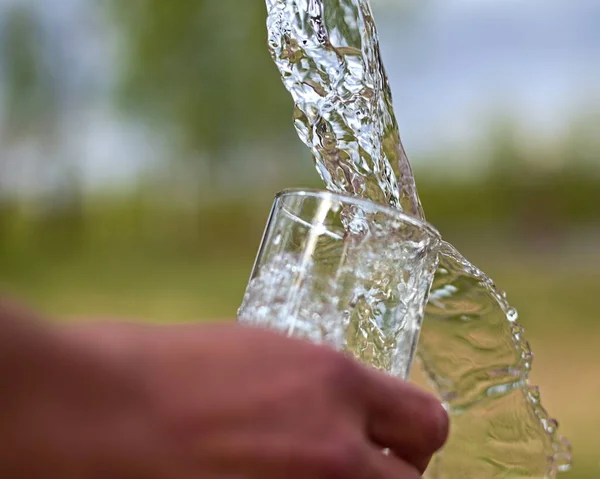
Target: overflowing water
{"x":471,"y":346}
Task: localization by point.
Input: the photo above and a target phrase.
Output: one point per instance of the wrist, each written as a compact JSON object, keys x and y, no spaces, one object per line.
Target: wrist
{"x":67,"y":404}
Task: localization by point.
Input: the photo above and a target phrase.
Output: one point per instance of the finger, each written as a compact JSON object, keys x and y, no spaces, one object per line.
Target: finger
{"x":390,"y":467}
{"x":422,"y":464}
{"x":401,"y":417}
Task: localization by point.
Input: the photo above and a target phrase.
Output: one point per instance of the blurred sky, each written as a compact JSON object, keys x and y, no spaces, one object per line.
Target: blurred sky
{"x":460,"y":60}
{"x":453,"y":65}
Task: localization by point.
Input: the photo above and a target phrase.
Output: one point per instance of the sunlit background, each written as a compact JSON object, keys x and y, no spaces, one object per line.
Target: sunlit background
{"x":141,"y":143}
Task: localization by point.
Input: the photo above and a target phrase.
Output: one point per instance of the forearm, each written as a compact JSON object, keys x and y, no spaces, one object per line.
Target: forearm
{"x":30,"y":355}
{"x":63,"y":404}
{"x":31,"y":358}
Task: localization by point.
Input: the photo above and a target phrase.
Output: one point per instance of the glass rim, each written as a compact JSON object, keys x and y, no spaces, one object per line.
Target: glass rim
{"x":369,"y":205}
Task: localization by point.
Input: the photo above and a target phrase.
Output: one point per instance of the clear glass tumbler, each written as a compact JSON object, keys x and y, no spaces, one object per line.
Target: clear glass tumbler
{"x":345,"y":272}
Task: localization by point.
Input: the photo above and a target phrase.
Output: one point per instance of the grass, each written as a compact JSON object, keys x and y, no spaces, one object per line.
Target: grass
{"x":556,"y":298}
{"x":152,"y":288}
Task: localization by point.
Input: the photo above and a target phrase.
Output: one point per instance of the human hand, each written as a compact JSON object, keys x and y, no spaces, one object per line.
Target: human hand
{"x":230,"y":401}
{"x":221,"y":401}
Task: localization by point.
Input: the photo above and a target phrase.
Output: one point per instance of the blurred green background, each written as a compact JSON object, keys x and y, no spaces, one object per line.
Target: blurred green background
{"x":142,"y":141}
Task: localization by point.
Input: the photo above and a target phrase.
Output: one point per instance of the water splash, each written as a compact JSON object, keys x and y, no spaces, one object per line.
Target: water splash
{"x":471,"y":346}
{"x":474,"y":350}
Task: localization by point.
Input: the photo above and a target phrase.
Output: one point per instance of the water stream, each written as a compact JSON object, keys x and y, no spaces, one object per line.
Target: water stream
{"x":472,"y":347}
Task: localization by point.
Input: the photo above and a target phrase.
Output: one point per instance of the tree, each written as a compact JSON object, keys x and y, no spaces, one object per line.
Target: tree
{"x":30,"y":81}
{"x":34,"y":100}
{"x":202,"y":67}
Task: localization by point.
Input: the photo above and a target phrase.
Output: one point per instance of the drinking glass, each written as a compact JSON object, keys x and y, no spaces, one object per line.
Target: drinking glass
{"x":344,"y":272}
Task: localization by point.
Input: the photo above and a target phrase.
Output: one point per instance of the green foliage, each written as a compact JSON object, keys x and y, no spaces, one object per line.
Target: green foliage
{"x":29,"y":83}
{"x":203,"y":67}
